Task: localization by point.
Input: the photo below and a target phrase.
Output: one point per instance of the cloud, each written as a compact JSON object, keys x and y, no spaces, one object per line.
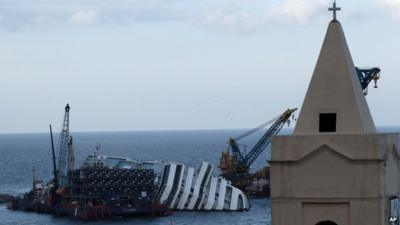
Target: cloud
{"x":239,"y":21}
{"x":393,"y":6}
{"x":297,"y":11}
{"x":84,"y":17}
{"x":237,"y":15}
{"x":242,"y":18}
{"x":17,"y":15}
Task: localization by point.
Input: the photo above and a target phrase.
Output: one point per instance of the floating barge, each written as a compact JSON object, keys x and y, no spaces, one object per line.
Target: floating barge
{"x":93,"y":193}
{"x":103,"y":192}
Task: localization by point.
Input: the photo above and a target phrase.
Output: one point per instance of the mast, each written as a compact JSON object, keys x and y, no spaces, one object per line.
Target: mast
{"x":34,"y":178}
{"x":55,"y":174}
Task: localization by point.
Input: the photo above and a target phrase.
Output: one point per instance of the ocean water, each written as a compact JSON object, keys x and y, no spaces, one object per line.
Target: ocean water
{"x":19,"y":153}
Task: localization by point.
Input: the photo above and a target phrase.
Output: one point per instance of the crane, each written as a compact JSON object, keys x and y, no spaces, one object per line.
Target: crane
{"x":366,"y":75}
{"x":63,"y":148}
{"x":235,"y":165}
{"x":71,"y":155}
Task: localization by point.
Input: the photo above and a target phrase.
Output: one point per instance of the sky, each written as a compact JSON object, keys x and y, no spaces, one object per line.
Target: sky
{"x":179,"y":64}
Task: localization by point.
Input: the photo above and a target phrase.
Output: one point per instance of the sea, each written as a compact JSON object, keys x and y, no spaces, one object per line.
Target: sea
{"x":20,"y":153}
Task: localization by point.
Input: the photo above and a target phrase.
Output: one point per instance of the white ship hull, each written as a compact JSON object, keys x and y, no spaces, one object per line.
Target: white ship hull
{"x":188,"y":190}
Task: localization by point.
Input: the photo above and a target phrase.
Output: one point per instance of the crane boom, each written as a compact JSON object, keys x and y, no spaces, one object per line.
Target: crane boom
{"x":63,"y":145}
{"x":71,"y":155}
{"x":266,"y":138}
{"x":235,"y":166}
{"x":256,"y":129}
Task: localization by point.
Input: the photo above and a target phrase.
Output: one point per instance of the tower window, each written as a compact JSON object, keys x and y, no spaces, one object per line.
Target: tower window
{"x":327,"y":122}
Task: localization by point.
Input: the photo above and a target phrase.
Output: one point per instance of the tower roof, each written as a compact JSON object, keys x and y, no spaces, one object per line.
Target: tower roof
{"x":334,"y":94}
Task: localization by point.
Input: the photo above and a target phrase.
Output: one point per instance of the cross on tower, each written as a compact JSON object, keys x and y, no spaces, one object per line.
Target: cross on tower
{"x":334,"y":9}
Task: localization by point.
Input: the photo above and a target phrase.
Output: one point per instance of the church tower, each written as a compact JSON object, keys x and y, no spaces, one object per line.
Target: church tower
{"x":335,"y":169}
{"x":335,"y":102}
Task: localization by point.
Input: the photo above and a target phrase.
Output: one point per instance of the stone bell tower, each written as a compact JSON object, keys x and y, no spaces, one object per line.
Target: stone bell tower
{"x":335,"y":169}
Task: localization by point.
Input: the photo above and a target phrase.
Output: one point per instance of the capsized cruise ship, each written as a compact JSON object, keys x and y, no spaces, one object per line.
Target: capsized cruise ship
{"x":179,"y":186}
